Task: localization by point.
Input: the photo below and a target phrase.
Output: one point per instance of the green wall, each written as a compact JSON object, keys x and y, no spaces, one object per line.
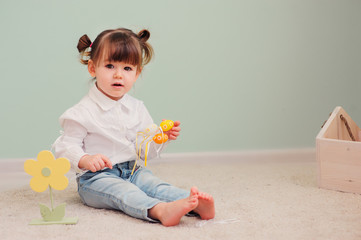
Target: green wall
{"x":239,"y":75}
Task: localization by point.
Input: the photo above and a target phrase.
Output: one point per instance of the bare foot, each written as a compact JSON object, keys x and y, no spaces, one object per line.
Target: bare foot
{"x":170,"y":214}
{"x":205,"y":206}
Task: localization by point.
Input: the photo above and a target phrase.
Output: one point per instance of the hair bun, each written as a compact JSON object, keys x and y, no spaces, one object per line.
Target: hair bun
{"x":84,"y":43}
{"x":144,"y":35}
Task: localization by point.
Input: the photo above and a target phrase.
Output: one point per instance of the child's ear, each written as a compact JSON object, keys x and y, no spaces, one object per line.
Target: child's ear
{"x":91,"y":68}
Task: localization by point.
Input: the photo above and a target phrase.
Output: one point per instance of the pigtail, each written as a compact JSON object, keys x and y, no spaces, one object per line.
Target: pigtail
{"x":83,"y":44}
{"x":143,"y":36}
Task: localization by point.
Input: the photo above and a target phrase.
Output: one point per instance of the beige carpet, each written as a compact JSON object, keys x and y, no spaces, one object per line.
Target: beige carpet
{"x":260,"y":199}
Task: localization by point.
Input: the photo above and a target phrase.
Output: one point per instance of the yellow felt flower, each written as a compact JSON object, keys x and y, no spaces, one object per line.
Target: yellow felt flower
{"x":47,"y":171}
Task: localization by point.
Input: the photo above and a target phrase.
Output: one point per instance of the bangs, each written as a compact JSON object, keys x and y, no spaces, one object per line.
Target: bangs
{"x":121,"y":48}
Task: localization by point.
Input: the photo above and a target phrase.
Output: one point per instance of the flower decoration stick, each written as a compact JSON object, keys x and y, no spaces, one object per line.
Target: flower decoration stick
{"x":49,"y":172}
{"x":51,"y":199}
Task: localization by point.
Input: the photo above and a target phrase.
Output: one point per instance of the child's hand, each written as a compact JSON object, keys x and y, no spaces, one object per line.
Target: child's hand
{"x":94,"y":162}
{"x":174,"y":132}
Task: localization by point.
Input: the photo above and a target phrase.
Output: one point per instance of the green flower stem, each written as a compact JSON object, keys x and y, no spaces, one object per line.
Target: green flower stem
{"x":51,"y":198}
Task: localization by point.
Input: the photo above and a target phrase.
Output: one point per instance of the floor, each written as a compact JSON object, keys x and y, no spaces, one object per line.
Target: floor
{"x":263,"y":195}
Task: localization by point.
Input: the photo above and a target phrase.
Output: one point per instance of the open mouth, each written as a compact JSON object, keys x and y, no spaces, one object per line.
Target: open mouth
{"x":117,"y":85}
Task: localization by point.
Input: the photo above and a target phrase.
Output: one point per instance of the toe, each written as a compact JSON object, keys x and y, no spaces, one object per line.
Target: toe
{"x":194,"y":191}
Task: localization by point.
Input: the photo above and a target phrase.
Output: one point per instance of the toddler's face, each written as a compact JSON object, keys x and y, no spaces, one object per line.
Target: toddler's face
{"x":114,"y":79}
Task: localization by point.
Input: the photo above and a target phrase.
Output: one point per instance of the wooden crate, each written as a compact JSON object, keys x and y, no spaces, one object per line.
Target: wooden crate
{"x":338,"y":156}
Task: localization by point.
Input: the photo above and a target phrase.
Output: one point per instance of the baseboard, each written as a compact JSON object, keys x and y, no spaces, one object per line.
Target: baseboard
{"x":300,"y":154}
{"x":297,"y":154}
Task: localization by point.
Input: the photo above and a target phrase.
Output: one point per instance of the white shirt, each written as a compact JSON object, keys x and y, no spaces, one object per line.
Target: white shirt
{"x":100,"y":125}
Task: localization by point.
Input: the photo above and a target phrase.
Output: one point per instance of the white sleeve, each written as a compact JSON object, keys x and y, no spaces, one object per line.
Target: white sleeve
{"x":70,"y":143}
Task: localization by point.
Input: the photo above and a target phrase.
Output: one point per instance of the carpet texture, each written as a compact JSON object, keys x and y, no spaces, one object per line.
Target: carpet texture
{"x":263,"y":199}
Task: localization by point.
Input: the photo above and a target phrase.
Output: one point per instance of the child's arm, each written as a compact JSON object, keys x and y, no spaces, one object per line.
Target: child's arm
{"x":94,"y":162}
{"x":70,"y":146}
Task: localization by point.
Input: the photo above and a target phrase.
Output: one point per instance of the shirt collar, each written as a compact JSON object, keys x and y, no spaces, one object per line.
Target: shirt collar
{"x":105,"y":102}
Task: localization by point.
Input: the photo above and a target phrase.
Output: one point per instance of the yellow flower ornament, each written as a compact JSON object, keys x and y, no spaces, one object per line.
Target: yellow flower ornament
{"x":47,"y":171}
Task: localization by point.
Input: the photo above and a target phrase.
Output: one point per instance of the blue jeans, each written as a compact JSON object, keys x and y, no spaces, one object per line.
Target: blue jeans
{"x":132,"y":194}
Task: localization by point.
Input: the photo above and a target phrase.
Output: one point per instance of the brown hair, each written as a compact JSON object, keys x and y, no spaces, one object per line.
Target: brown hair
{"x":120,"y":44}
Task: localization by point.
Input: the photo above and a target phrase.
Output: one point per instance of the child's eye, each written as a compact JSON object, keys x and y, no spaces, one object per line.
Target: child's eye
{"x":110,"y":66}
{"x":127,"y":68}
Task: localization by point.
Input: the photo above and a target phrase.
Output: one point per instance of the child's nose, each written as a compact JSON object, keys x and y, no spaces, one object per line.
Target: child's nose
{"x":118,"y":74}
